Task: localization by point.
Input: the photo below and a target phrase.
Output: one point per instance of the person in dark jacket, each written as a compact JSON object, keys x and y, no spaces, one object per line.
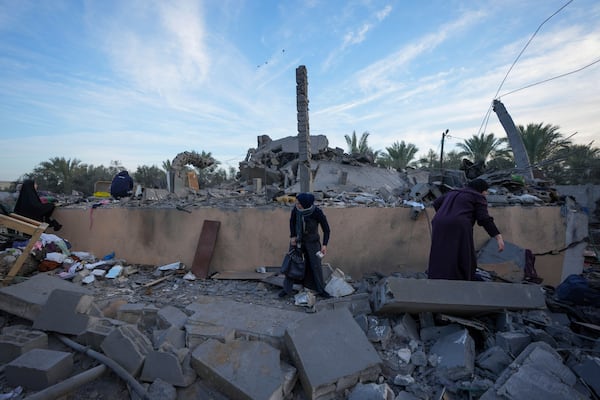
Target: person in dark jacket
{"x":452,"y":253}
{"x":305,"y":220}
{"x":29,"y":205}
{"x":121,"y":185}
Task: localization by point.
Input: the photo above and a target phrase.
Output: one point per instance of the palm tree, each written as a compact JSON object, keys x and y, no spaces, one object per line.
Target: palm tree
{"x":166,"y":166}
{"x":399,"y":155}
{"x":58,"y":173}
{"x":576,"y":164}
{"x":542,"y":141}
{"x":483,"y":147}
{"x":360,"y":146}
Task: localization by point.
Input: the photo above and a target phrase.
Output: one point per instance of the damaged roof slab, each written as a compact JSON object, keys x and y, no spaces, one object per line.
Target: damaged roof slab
{"x":396,"y":295}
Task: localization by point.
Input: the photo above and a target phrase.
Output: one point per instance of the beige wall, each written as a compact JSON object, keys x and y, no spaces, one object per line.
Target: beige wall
{"x":364,"y":240}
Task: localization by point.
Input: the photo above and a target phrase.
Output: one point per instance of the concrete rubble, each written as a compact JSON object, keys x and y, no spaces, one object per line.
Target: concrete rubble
{"x":398,"y":337}
{"x":391,"y":338}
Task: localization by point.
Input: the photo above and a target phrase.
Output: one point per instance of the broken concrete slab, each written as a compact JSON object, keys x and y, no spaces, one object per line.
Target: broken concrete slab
{"x":456,"y":355}
{"x":39,"y":368}
{"x":64,"y":312}
{"x":331,"y":352}
{"x":241,"y":369}
{"x":170,"y":316}
{"x":398,"y":295}
{"x":166,"y":366}
{"x":589,"y":371}
{"x":537,"y":373}
{"x":128,"y":347}
{"x":251,"y":321}
{"x":26,"y":299}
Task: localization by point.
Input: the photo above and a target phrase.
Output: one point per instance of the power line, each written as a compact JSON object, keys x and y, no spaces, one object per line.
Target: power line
{"x":550,"y":79}
{"x":527,"y":44}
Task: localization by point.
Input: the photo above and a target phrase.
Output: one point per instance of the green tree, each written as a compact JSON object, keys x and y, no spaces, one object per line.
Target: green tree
{"x":360,"y":146}
{"x":542,"y":141}
{"x":483,"y":147}
{"x":575,"y":165}
{"x":57,"y":175}
{"x":398,"y":155}
{"x":151,"y":177}
{"x":87,"y":176}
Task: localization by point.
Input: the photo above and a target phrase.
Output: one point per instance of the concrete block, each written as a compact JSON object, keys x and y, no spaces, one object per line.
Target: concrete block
{"x":39,"y":368}
{"x":19,"y":341}
{"x":371,"y":391}
{"x":165,"y":366}
{"x":250,"y":321}
{"x":357,"y":303}
{"x":240,"y":369}
{"x":128,"y":347}
{"x":97,"y":330}
{"x":64,"y":312}
{"x":495,"y":359}
{"x":26,"y":299}
{"x":198,"y":332}
{"x":397,"y":295}
{"x":456,"y":355}
{"x":537,"y":373}
{"x":331,"y":352}
{"x":512,"y":342}
{"x":589,"y":371}
{"x":170,"y":316}
{"x":173,"y":335}
{"x":433,"y":333}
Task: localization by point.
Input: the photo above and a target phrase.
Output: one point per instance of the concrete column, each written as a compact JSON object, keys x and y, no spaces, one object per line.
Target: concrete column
{"x":303,"y":129}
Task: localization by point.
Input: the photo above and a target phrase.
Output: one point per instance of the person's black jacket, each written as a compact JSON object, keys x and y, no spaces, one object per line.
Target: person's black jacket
{"x":121,"y":185}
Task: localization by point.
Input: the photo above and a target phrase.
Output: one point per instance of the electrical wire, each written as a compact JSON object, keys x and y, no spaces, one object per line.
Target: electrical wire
{"x":488,"y":113}
{"x":550,"y":79}
{"x":527,"y":44}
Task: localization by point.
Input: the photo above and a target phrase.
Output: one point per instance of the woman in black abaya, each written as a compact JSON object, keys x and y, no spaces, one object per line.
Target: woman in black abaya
{"x":29,"y":205}
{"x":305,"y":220}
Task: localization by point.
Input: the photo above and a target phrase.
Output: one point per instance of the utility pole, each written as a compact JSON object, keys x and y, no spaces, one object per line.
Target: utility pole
{"x":444,"y":134}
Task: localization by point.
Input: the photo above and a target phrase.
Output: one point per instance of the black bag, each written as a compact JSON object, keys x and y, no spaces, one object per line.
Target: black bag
{"x":293,"y":265}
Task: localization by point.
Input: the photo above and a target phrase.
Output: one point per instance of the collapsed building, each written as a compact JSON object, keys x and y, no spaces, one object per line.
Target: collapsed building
{"x":172,"y":294}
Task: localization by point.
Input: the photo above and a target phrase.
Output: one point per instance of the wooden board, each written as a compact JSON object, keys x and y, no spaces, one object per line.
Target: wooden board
{"x":25,"y":225}
{"x":205,"y":249}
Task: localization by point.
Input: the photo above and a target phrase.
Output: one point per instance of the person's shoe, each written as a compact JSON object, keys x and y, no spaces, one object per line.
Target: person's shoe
{"x":55,"y":225}
{"x":282,"y":293}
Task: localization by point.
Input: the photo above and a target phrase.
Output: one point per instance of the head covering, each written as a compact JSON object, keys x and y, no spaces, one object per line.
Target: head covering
{"x":306,"y":199}
{"x":478,"y":184}
{"x":29,"y":204}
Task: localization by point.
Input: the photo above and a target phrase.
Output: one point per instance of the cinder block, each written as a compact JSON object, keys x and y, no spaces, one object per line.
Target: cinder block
{"x":165,"y":366}
{"x":19,"y":341}
{"x":512,"y":342}
{"x":98,"y":329}
{"x":170,"y":316}
{"x":39,"y":368}
{"x":64,"y":312}
{"x":128,"y":347}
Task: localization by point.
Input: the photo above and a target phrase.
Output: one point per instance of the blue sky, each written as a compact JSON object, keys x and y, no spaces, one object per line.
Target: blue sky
{"x":139,"y":81}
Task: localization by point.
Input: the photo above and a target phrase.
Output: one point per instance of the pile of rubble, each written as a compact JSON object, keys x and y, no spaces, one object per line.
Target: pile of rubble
{"x":155,"y":332}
